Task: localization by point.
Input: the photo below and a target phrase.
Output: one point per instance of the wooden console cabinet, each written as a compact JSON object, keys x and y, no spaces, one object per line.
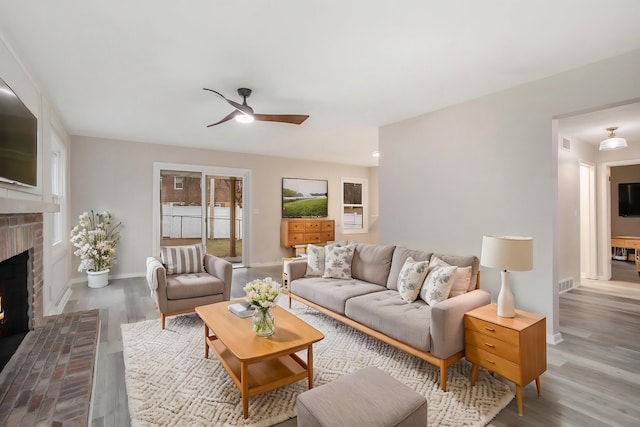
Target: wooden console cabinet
{"x":628,"y":242}
{"x":514,"y":348}
{"x":301,"y":231}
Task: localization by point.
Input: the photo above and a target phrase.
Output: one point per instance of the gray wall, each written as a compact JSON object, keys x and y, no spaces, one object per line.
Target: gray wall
{"x":490,"y":166}
{"x":117,"y":176}
{"x":623,"y":226}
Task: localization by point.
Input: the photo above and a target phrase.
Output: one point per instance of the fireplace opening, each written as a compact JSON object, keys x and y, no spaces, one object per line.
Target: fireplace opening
{"x":16,"y":312}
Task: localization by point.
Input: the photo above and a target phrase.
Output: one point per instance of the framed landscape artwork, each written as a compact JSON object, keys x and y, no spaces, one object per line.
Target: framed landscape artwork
{"x":304,"y":198}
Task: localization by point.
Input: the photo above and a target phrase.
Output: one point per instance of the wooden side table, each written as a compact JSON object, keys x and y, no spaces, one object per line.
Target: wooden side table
{"x":514,"y":348}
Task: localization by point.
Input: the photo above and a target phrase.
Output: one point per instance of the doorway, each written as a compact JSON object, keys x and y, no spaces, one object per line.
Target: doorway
{"x":200,"y":204}
{"x":588,"y":247}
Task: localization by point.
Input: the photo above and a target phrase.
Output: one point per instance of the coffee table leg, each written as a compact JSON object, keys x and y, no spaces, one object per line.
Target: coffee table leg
{"x":244,"y":381}
{"x":310,"y":364}
{"x":206,"y":344}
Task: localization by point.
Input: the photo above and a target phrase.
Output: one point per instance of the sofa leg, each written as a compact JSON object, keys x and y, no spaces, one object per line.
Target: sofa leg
{"x":289,"y":299}
{"x":443,"y":377}
{"x":163,"y":317}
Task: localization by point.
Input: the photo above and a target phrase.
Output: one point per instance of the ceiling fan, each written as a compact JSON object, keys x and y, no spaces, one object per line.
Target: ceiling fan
{"x":244,"y":113}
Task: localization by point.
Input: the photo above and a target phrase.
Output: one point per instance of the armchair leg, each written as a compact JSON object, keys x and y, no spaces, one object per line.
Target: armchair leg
{"x":163,"y":317}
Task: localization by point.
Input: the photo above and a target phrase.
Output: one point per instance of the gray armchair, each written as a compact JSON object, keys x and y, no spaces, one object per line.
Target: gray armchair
{"x":182,"y":293}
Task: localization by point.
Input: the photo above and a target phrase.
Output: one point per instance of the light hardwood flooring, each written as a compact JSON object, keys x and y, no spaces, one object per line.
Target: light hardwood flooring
{"x":593,"y":376}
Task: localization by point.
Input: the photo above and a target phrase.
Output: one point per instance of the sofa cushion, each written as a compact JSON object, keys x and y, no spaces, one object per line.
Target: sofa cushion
{"x":400,"y":255}
{"x":387,"y":313}
{"x":193,"y":285}
{"x":462,"y":279}
{"x":463,"y":261}
{"x":372,"y":263}
{"x":315,"y":261}
{"x":438,"y":284}
{"x":337,"y":261}
{"x":331,"y":293}
{"x":183,"y":259}
{"x":411,"y":278}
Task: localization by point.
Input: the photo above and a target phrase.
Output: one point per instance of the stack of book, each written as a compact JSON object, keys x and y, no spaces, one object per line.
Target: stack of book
{"x":241,"y":309}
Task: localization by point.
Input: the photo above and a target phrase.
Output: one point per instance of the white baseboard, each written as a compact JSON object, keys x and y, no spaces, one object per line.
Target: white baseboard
{"x":554,"y":339}
{"x":111,"y":276}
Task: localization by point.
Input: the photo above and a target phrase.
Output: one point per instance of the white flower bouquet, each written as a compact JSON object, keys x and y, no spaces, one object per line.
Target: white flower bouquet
{"x":262,"y":293}
{"x":95,"y":241}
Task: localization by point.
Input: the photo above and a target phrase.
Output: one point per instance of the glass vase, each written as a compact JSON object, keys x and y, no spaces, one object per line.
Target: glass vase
{"x":263,"y":322}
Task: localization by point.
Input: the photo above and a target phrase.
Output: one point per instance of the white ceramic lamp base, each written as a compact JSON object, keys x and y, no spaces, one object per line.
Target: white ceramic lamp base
{"x":506,"y":304}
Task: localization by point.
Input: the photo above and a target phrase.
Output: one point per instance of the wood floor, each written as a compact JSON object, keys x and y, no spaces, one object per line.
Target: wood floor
{"x":593,"y":377}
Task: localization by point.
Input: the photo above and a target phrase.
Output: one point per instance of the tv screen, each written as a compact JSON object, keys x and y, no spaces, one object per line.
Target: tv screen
{"x":18,"y":140}
{"x":629,"y":199}
{"x":304,"y":198}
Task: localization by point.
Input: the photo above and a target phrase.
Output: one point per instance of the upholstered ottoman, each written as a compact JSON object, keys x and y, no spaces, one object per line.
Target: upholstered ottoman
{"x":368,"y":397}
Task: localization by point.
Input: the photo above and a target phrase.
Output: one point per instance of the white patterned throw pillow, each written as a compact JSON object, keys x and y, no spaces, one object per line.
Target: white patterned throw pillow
{"x":337,"y":261}
{"x":411,"y":278}
{"x":315,"y":261}
{"x":438,"y":284}
{"x":183,"y":259}
{"x":461,"y":280}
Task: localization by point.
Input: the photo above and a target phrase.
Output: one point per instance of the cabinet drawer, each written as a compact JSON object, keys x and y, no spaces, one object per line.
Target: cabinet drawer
{"x":311,"y":226}
{"x":296,"y":238}
{"x":492,"y":345}
{"x":327,"y":226}
{"x":493,"y":363}
{"x":491,"y":329}
{"x":327,"y":236}
{"x":313,"y":237}
{"x":296,"y":226}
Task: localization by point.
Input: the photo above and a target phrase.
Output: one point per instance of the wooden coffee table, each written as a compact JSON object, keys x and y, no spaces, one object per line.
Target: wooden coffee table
{"x":255,"y":364}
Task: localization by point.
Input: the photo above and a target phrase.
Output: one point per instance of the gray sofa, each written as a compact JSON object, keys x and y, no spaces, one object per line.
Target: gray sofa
{"x":371,"y":303}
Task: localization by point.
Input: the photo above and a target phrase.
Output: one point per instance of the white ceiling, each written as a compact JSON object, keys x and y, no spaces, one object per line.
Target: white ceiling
{"x":135,"y":69}
{"x":592,"y":127}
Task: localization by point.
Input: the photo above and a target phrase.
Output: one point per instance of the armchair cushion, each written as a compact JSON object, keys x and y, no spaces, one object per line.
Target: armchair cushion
{"x":183,"y":259}
{"x":193,"y":285}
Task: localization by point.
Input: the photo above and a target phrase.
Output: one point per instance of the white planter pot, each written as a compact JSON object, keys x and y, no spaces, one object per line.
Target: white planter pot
{"x":98,"y":279}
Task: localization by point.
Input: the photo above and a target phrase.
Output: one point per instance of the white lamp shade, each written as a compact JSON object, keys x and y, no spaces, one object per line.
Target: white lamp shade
{"x":613,"y":144}
{"x":512,"y":253}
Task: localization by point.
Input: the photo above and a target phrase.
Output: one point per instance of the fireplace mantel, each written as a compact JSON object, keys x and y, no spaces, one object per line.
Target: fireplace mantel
{"x":20,"y":206}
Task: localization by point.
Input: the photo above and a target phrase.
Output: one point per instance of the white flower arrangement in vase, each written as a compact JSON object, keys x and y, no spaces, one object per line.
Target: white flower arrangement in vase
{"x":95,"y":241}
{"x":262,"y":295}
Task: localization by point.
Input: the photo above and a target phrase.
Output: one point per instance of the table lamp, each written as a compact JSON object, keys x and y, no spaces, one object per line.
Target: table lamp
{"x":507,"y":253}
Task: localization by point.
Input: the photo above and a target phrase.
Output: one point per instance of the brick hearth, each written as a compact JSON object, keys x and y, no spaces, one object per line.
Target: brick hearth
{"x":49,"y":380}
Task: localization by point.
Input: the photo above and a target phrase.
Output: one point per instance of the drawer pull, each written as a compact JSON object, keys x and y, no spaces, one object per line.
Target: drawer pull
{"x":489,"y":345}
{"x":490,"y":329}
{"x":490,"y":361}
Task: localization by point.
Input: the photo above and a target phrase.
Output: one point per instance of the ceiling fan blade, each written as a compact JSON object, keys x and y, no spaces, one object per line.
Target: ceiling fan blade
{"x":228,"y":117}
{"x":243,"y":108}
{"x":294,"y":119}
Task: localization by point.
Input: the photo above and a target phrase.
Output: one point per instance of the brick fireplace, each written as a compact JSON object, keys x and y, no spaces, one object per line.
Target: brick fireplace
{"x":19,"y":233}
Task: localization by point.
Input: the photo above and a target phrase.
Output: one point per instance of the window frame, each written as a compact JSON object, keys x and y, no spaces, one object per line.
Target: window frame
{"x":364,"y":182}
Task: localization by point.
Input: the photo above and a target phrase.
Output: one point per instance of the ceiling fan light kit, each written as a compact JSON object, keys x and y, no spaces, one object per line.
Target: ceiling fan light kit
{"x":613,"y":142}
{"x":243,"y":113}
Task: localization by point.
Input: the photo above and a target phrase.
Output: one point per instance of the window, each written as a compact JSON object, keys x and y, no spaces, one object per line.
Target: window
{"x":354,"y":205}
{"x":178,"y":183}
{"x":58,"y":172}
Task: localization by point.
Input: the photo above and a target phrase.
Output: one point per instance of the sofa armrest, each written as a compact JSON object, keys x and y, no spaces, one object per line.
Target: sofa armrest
{"x":222,"y":269}
{"x":296,"y":269}
{"x":447,"y":321}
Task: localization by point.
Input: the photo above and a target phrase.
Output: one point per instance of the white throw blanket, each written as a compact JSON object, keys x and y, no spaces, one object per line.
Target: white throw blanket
{"x":153,"y":264}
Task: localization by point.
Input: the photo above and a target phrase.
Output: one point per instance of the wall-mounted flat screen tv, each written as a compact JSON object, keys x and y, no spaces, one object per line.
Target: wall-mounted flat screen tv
{"x":629,"y":199}
{"x":18,"y":140}
{"x":304,"y":198}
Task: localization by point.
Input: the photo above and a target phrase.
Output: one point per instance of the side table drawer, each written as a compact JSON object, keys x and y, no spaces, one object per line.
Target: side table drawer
{"x":491,"y":329}
{"x":493,"y":363}
{"x":492,"y":345}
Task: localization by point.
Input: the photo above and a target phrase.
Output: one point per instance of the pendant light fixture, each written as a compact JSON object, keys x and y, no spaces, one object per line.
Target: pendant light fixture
{"x":613,"y":142}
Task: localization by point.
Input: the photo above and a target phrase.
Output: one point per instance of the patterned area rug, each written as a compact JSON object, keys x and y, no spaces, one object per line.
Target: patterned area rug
{"x":170,"y":383}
